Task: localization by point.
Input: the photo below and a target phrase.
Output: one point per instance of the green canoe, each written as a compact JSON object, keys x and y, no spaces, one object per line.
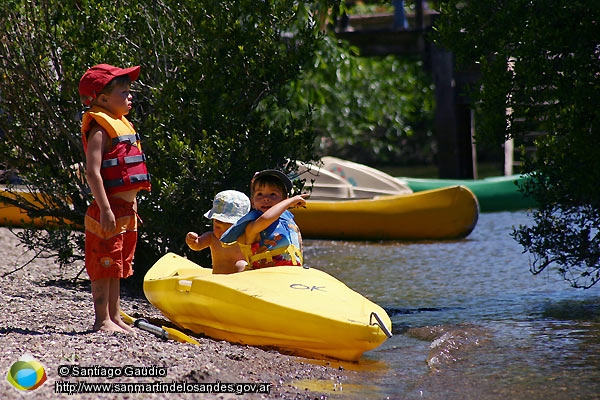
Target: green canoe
{"x":499,"y":193}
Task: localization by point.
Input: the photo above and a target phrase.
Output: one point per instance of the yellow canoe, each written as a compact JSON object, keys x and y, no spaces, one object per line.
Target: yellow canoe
{"x":445,"y":213}
{"x":301,"y":311}
{"x":12,"y":215}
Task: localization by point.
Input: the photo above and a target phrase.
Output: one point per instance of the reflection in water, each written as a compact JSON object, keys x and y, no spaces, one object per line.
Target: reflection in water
{"x":469,"y":319}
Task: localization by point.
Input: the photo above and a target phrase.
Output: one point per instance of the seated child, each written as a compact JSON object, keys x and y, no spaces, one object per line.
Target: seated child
{"x":268,"y":235}
{"x":228,"y":207}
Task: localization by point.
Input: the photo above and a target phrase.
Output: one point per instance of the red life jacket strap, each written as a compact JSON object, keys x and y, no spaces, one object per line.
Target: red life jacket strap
{"x":113,"y":162}
{"x":132,"y":179}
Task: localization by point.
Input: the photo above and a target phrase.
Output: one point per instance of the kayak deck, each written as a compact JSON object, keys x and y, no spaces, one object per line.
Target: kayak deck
{"x":301,"y":311}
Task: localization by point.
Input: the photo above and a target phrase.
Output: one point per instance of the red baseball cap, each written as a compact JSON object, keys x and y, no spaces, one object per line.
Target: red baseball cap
{"x":97,"y":77}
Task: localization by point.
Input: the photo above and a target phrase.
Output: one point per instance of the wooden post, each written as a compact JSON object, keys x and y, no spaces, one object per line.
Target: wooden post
{"x":453,"y":119}
{"x":399,"y":16}
{"x":419,"y":15}
{"x":473,"y":146}
{"x":509,"y":147}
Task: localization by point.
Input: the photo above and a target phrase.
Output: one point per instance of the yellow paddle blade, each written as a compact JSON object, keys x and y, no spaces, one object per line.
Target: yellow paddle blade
{"x":179,"y":336}
{"x":128,"y":319}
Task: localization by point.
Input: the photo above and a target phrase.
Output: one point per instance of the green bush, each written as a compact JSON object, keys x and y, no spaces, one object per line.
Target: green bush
{"x":372,"y":110}
{"x":540,"y":61}
{"x":211,"y":74}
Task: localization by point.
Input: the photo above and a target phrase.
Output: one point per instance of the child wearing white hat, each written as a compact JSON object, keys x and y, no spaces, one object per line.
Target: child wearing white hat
{"x":228,"y":207}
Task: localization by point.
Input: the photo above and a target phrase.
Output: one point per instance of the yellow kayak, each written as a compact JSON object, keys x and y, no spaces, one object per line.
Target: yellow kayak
{"x":12,"y":215}
{"x":445,"y":213}
{"x":304,"y":312}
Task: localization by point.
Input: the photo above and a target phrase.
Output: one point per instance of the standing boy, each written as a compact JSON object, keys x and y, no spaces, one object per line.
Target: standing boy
{"x":268,"y":235}
{"x":115,"y":171}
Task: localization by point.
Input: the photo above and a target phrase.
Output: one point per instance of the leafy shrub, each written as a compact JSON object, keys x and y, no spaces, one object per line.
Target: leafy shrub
{"x":205,"y":68}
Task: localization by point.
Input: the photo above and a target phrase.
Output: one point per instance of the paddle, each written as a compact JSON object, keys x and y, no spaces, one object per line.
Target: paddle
{"x":162,"y":332}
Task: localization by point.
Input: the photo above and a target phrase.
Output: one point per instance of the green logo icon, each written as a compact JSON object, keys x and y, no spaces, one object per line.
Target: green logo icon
{"x":27,"y":373}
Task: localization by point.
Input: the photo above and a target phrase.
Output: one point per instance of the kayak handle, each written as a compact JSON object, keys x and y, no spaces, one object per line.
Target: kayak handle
{"x":380,"y":324}
{"x":143,"y":323}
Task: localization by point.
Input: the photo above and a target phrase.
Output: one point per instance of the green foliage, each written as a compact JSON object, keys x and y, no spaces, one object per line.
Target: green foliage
{"x":360,"y":7}
{"x":371,"y":110}
{"x":552,"y":86}
{"x":206,"y":67}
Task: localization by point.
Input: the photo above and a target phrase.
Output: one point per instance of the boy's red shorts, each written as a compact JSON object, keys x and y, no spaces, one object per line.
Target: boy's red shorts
{"x":110,"y":254}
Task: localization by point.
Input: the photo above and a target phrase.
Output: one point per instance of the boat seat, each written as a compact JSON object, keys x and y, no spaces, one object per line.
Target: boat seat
{"x":366,"y":181}
{"x":324,"y":184}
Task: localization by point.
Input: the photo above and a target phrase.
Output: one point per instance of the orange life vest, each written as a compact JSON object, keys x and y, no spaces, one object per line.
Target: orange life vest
{"x":124,"y":165}
{"x":279,"y":244}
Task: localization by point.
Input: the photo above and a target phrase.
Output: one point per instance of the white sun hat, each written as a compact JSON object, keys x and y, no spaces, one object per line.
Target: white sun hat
{"x":229,"y":206}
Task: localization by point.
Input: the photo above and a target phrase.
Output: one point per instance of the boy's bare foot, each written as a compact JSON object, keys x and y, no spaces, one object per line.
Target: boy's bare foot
{"x":125,"y":327}
{"x":108,"y":326}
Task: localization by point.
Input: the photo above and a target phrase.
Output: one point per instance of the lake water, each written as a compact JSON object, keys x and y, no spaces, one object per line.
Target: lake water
{"x":469,"y":319}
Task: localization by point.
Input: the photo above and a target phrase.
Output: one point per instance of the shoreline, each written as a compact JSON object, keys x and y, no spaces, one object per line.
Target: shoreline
{"x":49,"y":317}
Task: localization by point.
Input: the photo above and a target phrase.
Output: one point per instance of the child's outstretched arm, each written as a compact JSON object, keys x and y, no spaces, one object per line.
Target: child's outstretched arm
{"x":196,"y":242}
{"x":271,"y":215}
